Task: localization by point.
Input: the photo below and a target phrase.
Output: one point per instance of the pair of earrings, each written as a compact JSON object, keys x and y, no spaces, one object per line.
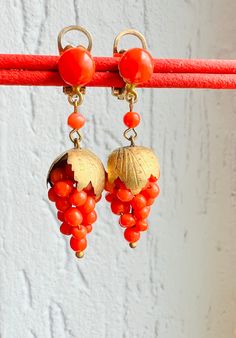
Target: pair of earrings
{"x":77,"y":177}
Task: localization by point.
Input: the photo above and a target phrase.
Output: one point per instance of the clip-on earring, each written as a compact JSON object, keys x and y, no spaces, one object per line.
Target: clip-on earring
{"x":132,"y":171}
{"x":77,"y":176}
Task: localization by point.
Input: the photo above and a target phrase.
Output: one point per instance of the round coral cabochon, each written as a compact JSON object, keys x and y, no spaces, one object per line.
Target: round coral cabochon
{"x":136,"y":66}
{"x":76,"y":66}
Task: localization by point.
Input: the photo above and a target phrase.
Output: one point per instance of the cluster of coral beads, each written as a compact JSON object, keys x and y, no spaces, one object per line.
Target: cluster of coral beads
{"x":132,"y":209}
{"x":75,"y":208}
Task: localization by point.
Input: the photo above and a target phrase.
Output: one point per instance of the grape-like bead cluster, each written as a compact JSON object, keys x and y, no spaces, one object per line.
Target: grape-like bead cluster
{"x":132,"y":209}
{"x":76,"y":209}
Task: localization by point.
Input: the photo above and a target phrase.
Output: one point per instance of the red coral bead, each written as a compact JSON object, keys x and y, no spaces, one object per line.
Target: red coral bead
{"x":141,"y":225}
{"x":124,"y":195}
{"x":76,"y":66}
{"x":136,"y":66}
{"x":131,"y":235}
{"x":78,"y":198}
{"x":78,"y":244}
{"x":153,"y":190}
{"x":62,"y":204}
{"x":57,"y":174}
{"x":118,"y":207}
{"x":142,"y":213}
{"x":127,"y":220}
{"x":131,"y":119}
{"x":76,"y":120}
{"x":79,"y":232}
{"x":150,"y":201}
{"x":60,"y":216}
{"x":73,"y":216}
{"x":139,"y":202}
{"x":89,"y":228}
{"x":65,"y":229}
{"x":89,"y":205}
{"x":63,"y":188}
{"x":90,"y":218}
{"x":52,"y":196}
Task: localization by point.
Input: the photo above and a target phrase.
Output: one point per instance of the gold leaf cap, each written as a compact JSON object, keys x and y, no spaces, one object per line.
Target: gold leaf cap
{"x":87,"y":167}
{"x":134,"y":166}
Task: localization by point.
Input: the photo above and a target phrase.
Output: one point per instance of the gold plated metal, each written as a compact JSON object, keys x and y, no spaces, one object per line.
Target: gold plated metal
{"x":134,"y":166}
{"x":130,"y":138}
{"x":73,"y":28}
{"x":129,"y":89}
{"x":87,"y":167}
{"x":75,"y":95}
{"x":75,"y":140}
{"x":118,"y":92}
{"x":128,"y":93}
{"x":133,"y":245}
{"x":128,"y":32}
{"x":131,"y":95}
{"x":79,"y":254}
{"x":69,"y":90}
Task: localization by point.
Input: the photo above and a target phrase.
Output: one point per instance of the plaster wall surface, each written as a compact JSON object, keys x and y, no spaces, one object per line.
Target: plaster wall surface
{"x":180,"y":281}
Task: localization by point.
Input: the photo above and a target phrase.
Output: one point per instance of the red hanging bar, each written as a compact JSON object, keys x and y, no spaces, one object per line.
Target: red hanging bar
{"x":41,"y":70}
{"x":106,"y":79}
{"x":103,"y":64}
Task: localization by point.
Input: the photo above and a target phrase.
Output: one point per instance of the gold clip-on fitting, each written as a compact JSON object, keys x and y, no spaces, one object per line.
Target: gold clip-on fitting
{"x":127,"y":93}
{"x":73,"y":28}
{"x":68,"y":90}
{"x":122,"y":93}
{"x":75,"y":95}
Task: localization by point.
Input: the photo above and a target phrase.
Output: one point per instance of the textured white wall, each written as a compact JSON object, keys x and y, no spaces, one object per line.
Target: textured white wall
{"x":180,"y":281}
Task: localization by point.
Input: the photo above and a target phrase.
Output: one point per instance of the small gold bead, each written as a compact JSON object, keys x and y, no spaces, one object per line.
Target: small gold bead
{"x":133,"y":245}
{"x":79,"y":254}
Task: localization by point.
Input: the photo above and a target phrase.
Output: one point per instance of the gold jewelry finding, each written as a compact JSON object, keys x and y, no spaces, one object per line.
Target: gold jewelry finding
{"x":128,"y":32}
{"x":73,"y":28}
{"x":134,"y":166}
{"x":87,"y":167}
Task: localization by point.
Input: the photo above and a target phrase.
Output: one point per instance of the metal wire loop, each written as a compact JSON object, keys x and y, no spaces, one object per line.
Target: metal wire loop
{"x":76,"y":98}
{"x":130,"y":94}
{"x":131,"y":137}
{"x":73,"y":28}
{"x":129,"y":32}
{"x":75,"y":140}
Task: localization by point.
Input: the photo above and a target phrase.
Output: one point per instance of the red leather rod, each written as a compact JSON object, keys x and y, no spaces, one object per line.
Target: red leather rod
{"x":41,"y":70}
{"x":109,"y":64}
{"x":109,"y":79}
